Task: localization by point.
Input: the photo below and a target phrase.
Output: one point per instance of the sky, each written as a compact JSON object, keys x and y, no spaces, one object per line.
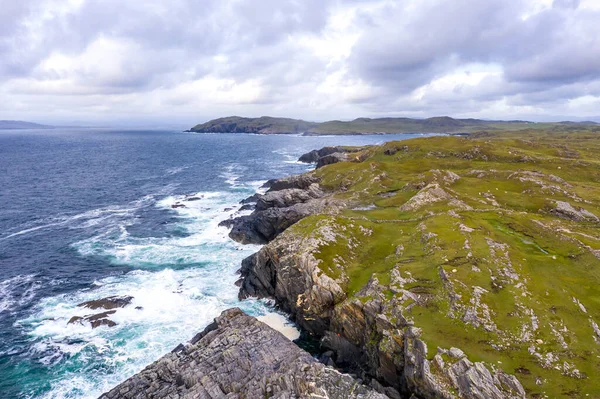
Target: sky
{"x":186,"y":61}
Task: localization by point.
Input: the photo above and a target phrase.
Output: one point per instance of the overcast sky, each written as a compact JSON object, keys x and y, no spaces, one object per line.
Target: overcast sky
{"x":186,"y":61}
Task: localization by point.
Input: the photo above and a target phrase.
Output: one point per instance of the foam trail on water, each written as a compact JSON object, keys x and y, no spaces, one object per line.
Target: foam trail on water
{"x":86,"y":219}
{"x":17,"y":291}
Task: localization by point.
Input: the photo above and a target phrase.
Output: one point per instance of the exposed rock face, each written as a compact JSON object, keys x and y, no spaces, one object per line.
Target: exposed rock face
{"x":361,"y":336}
{"x":567,"y":211}
{"x":288,"y":197}
{"x":331,"y":159}
{"x":239,"y":357}
{"x":328,"y":155}
{"x":287,"y":201}
{"x":296,"y":181}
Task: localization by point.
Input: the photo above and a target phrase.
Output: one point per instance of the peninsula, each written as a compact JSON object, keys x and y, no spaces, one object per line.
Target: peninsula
{"x":443,"y":124}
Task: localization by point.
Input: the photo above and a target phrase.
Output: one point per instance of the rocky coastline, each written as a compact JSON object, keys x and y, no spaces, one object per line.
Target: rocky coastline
{"x":238,"y":356}
{"x":389,"y":355}
{"x":415,"y":275}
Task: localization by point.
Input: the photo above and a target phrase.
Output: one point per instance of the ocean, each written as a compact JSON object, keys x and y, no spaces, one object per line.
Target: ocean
{"x":87,"y":213}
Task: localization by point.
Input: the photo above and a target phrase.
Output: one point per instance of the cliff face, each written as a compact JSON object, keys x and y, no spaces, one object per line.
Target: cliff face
{"x":458,"y":267}
{"x":239,"y":357}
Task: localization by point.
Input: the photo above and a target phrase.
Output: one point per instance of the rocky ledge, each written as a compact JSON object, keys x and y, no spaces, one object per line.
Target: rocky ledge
{"x":238,"y":356}
{"x":287,"y":201}
{"x":329,"y":155}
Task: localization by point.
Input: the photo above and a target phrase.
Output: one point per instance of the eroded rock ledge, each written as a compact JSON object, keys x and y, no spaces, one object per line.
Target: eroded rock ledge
{"x":237,"y":356}
{"x":287,"y":201}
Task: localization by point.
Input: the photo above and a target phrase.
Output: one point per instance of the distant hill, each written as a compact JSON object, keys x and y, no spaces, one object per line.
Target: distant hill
{"x":22,"y":125}
{"x":442,"y":124}
{"x":262,"y":125}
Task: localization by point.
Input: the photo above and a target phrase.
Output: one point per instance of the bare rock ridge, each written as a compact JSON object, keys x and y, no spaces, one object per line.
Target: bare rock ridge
{"x":237,"y":356}
{"x":328,"y":155}
{"x":287,"y":201}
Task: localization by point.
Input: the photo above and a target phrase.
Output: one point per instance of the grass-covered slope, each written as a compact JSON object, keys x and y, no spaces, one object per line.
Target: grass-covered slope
{"x":490,"y":244}
{"x":444,"y":124}
{"x":262,"y":125}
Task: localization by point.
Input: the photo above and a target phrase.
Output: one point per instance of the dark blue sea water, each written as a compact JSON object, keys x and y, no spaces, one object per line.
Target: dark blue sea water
{"x":87,"y":213}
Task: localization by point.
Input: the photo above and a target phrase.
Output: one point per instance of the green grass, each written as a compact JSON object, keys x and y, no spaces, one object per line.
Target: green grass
{"x":503,"y":238}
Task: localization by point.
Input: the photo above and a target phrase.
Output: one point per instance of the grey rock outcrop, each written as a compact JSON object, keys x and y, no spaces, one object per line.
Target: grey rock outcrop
{"x":109,"y":304}
{"x":237,"y":356}
{"x":287,"y":201}
{"x":331,"y":159}
{"x":95,"y":320}
{"x":315,"y":155}
{"x":565,"y":210}
{"x":295,"y":181}
{"x":288,"y":197}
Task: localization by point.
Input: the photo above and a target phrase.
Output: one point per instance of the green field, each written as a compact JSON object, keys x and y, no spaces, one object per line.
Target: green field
{"x":496,"y":238}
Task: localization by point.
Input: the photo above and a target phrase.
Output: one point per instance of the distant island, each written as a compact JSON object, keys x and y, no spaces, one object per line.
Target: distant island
{"x":6,"y":125}
{"x":441,"y":124}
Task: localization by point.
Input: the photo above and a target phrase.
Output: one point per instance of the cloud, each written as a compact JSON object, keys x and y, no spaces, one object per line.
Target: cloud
{"x":185,"y":61}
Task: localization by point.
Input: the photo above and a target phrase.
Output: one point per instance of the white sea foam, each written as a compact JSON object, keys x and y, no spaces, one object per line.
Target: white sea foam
{"x":175,"y":170}
{"x":180,"y":285}
{"x":169,"y":307}
{"x":17,"y":291}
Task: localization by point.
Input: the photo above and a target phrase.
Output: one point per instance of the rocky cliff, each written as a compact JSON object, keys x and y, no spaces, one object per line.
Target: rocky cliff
{"x":451,"y":267}
{"x":239,"y":357}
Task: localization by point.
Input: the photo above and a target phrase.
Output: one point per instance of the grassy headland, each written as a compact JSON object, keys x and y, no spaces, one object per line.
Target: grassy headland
{"x":444,"y":124}
{"x":490,"y":244}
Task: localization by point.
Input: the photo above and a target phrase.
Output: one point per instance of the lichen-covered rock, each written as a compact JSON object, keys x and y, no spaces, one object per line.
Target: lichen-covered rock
{"x":288,"y":197}
{"x":315,"y":155}
{"x":331,"y":159}
{"x":239,"y":357}
{"x":287,"y":201}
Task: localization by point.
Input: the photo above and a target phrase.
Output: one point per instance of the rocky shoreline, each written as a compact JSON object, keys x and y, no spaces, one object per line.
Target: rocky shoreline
{"x":387,"y":354}
{"x":237,"y":356}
